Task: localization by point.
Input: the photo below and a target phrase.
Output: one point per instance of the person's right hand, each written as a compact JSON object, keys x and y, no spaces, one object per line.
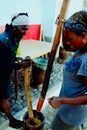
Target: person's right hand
{"x":55,"y":102}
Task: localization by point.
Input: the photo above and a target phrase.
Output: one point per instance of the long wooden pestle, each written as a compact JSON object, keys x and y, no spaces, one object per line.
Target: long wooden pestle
{"x":52,"y":54}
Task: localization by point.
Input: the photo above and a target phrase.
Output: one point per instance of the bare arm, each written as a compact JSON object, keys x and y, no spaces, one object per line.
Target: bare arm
{"x":56,"y":102}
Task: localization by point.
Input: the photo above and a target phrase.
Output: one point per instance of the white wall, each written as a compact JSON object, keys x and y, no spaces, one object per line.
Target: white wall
{"x":48,"y":15}
{"x":9,"y":7}
{"x":74,"y":5}
{"x":40,"y":11}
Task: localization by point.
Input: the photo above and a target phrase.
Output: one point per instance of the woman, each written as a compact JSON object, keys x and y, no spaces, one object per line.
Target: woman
{"x":72,"y":100}
{"x":9,"y":42}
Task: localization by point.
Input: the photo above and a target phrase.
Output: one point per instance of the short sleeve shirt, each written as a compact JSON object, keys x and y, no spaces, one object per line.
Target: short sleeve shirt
{"x":73,"y":85}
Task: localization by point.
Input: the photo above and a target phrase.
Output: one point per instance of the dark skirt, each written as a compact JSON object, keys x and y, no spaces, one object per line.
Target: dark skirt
{"x":5,"y":84}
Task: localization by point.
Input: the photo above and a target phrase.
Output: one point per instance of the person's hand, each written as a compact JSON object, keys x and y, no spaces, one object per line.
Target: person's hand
{"x":55,"y":102}
{"x":25,"y":63}
{"x":19,"y":59}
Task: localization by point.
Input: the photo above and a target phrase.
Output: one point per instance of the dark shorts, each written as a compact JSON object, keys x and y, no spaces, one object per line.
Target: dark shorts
{"x":58,"y":124}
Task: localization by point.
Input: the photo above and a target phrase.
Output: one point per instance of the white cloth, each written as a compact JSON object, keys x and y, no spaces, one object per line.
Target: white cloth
{"x":20,"y":20}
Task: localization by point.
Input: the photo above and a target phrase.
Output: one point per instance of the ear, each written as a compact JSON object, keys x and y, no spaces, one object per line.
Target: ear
{"x":84,"y":35}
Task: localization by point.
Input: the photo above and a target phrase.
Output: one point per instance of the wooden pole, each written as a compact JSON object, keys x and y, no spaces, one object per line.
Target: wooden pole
{"x":27,"y":92}
{"x":52,"y":54}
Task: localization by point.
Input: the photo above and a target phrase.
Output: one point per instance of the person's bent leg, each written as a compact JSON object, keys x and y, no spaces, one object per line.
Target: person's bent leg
{"x":4,"y":104}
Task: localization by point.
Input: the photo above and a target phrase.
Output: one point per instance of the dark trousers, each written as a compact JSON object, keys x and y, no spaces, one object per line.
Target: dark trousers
{"x":58,"y":124}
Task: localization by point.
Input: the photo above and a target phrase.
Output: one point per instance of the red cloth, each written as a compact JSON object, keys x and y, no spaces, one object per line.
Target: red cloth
{"x":33,"y":32}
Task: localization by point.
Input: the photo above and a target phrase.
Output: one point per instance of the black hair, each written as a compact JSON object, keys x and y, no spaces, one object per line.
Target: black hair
{"x":8,"y":27}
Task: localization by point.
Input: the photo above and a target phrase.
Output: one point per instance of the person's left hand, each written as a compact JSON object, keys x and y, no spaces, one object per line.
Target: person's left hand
{"x":25,"y":63}
{"x":55,"y":102}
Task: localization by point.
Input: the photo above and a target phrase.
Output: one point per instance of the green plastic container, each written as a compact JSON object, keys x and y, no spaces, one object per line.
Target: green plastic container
{"x":39,"y":66}
{"x":41,"y":62}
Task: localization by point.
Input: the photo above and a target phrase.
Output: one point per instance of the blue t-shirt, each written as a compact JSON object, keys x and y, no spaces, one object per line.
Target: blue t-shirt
{"x":73,"y":85}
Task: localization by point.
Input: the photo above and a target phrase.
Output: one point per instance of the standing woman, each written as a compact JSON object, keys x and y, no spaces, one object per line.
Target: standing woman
{"x":72,"y":100}
{"x":9,"y":42}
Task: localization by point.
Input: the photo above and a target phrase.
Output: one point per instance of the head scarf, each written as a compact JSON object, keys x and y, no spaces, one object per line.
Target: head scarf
{"x":20,"y":19}
{"x":77,"y":22}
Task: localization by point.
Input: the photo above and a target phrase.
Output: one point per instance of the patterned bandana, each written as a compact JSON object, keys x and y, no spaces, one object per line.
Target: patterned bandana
{"x":76,"y":27}
{"x":77,"y":22}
